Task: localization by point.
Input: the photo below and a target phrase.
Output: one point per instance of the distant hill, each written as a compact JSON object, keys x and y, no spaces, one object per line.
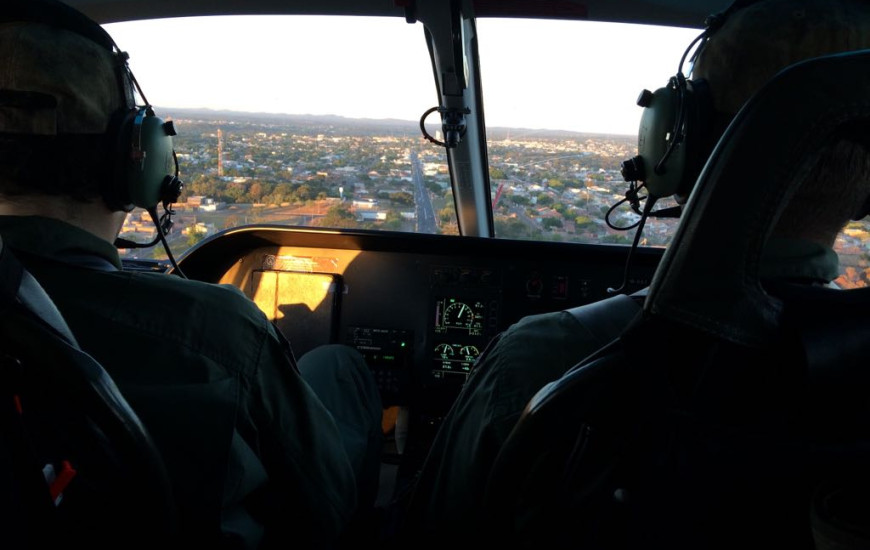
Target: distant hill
{"x":361,"y":126}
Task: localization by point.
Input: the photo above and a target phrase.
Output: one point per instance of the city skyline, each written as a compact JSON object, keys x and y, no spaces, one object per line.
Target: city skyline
{"x":297,"y":170}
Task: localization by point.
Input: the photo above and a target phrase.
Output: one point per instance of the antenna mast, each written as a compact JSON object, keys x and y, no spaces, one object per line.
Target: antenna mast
{"x":220,"y":152}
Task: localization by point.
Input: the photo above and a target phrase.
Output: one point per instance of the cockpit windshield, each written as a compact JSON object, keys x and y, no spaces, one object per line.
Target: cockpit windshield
{"x":318,"y":121}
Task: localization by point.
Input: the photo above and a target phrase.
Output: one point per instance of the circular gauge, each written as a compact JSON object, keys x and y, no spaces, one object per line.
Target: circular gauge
{"x":471,"y":352}
{"x":444,"y":350}
{"x":458,"y":314}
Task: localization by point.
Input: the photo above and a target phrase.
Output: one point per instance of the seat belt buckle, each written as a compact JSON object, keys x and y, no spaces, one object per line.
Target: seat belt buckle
{"x":58,"y":480}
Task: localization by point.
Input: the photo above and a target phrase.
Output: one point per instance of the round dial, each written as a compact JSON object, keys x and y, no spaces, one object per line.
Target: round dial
{"x":444,"y":350}
{"x":458,"y":314}
{"x":470,"y":352}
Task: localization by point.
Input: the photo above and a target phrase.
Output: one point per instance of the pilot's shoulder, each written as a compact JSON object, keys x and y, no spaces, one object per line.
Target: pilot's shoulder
{"x":186,"y":294}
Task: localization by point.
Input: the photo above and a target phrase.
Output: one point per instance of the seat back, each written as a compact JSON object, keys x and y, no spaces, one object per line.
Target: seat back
{"x":78,"y":466}
{"x":719,"y":415}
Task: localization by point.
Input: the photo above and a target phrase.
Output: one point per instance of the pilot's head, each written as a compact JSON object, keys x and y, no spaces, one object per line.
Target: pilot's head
{"x":58,"y":93}
{"x":755,"y":43}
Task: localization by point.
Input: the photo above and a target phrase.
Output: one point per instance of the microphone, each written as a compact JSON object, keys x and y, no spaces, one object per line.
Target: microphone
{"x":163,"y":226}
{"x":634,"y":170}
{"x":669,"y":212}
{"x":121,"y":242}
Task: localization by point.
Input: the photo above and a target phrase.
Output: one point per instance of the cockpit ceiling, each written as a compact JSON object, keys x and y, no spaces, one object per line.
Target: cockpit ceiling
{"x":685,"y":13}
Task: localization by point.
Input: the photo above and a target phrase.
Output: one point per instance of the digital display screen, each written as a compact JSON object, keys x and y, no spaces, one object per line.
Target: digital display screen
{"x":461,"y":332}
{"x":304,"y":306}
{"x":389,"y":354}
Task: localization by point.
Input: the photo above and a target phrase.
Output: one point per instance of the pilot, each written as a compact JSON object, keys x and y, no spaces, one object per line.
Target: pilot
{"x":754,"y":43}
{"x":262,"y":450}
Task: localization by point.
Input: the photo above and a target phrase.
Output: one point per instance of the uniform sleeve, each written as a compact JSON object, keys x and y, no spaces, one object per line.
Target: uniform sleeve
{"x":311,"y":490}
{"x":450,"y":487}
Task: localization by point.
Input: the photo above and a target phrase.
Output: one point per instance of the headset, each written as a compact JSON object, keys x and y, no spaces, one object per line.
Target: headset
{"x":679,"y":126}
{"x":144,"y":165}
{"x":678,"y":129}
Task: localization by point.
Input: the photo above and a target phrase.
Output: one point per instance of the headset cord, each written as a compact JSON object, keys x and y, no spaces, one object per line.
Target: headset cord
{"x":163,"y":225}
{"x":647,"y":208}
{"x":631,"y":196}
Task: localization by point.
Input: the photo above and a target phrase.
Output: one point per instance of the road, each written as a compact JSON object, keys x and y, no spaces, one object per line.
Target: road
{"x":426,"y":221}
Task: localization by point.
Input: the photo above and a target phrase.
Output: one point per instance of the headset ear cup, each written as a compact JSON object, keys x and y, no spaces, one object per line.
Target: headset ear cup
{"x":699,"y":135}
{"x":662,"y":159}
{"x":153,"y":161}
{"x":676,"y":137}
{"x":115,"y":189}
{"x":144,"y":162}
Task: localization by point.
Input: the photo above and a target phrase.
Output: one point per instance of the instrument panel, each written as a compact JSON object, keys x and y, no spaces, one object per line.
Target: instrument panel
{"x":420,"y":308}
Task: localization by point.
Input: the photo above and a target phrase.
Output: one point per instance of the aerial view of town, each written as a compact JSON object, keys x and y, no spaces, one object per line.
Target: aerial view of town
{"x":241,"y":169}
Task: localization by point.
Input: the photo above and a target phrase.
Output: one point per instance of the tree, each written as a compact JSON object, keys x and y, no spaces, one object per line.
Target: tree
{"x":338,"y":216}
{"x":394,"y":221}
{"x":615,"y":239}
{"x":447,"y":214}
{"x":303,"y":193}
{"x":204,"y":185}
{"x":256,"y":191}
{"x":448,"y":228}
{"x":510,"y":228}
{"x":194,"y":236}
{"x":520,"y":200}
{"x":402,"y":197}
{"x":551,"y":223}
{"x":283,"y":193}
{"x":582,"y":221}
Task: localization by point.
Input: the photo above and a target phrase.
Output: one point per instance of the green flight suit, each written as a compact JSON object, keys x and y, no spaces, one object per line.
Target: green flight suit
{"x":246,"y":440}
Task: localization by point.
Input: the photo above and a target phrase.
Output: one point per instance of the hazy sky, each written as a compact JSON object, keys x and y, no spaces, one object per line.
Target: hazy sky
{"x":564,"y":75}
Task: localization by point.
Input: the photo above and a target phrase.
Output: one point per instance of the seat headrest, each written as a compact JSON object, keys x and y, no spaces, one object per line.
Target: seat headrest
{"x":709,"y":275}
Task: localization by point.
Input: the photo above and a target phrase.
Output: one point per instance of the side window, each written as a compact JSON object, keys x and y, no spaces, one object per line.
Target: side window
{"x":853,"y":248}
